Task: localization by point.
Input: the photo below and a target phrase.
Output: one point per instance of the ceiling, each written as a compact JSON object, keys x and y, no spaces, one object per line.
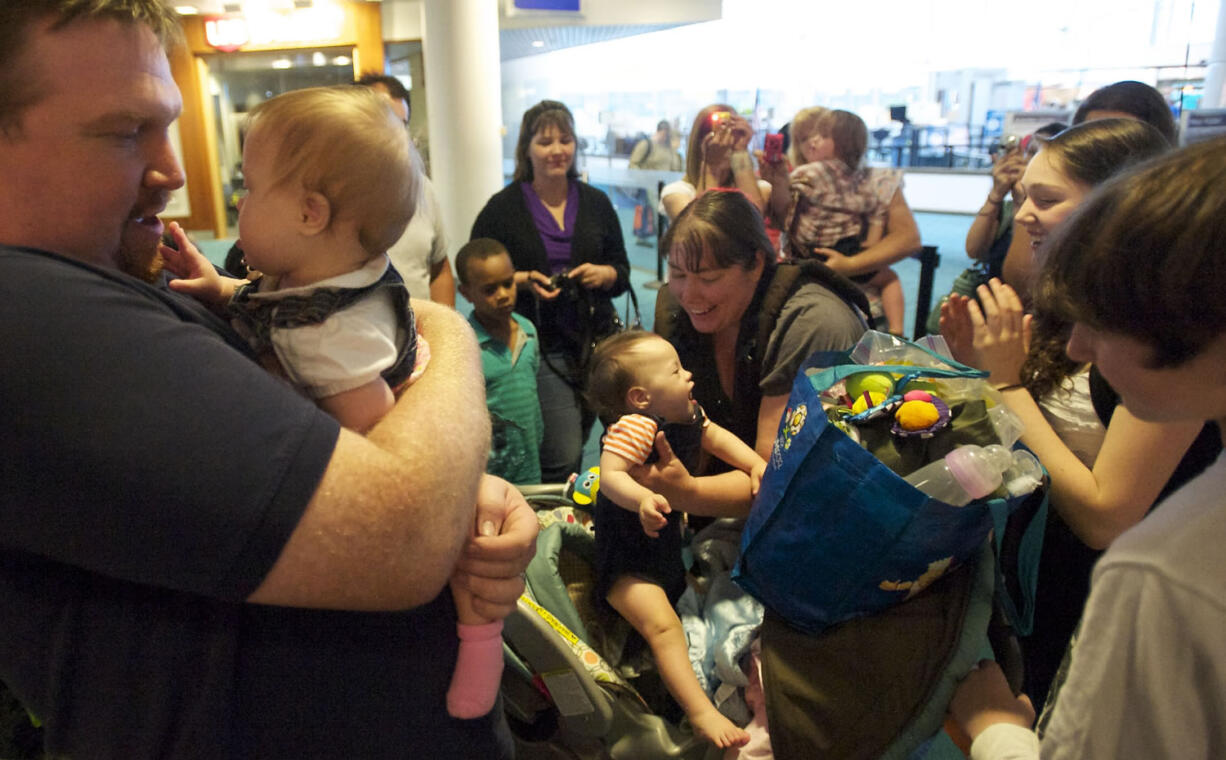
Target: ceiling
{"x":514,"y":43}
{"x":517,"y":43}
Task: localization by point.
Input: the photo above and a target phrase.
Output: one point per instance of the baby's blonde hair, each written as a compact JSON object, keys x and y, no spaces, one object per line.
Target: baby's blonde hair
{"x":803,"y":125}
{"x":345,"y":143}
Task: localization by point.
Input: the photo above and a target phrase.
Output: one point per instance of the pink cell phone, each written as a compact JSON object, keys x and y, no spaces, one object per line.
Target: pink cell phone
{"x":773,"y":148}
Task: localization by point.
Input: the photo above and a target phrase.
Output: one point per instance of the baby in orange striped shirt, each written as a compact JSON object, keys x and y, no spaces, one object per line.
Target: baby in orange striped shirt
{"x":638,"y":387}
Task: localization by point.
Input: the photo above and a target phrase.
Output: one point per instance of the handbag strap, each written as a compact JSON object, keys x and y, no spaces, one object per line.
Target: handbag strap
{"x":633,"y":301}
{"x":1020,"y":612}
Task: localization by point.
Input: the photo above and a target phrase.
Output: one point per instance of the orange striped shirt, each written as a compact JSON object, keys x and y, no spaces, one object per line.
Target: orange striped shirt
{"x":631,"y":437}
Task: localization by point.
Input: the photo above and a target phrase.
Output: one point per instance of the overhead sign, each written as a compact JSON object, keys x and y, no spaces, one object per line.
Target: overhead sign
{"x":1201,"y":124}
{"x":323,"y":22}
{"x":226,"y":33}
{"x":547,"y":5}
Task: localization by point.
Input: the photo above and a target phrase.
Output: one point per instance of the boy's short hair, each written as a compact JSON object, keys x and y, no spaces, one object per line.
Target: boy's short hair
{"x":610,"y":376}
{"x":849,"y":133}
{"x":394,"y":86}
{"x":345,"y":143}
{"x":1145,"y":255}
{"x":21,"y":85}
{"x":477,"y":249}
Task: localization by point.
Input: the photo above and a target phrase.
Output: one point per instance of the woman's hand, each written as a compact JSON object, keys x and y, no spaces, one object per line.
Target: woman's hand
{"x":774,"y":172}
{"x":537,"y":282}
{"x":956,"y":328}
{"x":594,"y":276}
{"x":1000,"y":331}
{"x":718,"y":147}
{"x":667,"y":472}
{"x":742,"y":133}
{"x":835,"y":260}
{"x":1005,"y":174}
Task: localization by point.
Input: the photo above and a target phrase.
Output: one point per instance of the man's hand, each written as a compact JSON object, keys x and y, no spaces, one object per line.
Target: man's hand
{"x":493,"y":561}
{"x":652,"y":511}
{"x":197,"y":276}
{"x":983,"y":698}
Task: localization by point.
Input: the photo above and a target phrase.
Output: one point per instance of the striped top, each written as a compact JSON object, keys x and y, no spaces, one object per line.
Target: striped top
{"x":631,"y":437}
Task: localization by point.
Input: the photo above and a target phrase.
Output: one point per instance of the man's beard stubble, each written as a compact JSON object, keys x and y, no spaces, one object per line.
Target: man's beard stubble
{"x":143,"y":264}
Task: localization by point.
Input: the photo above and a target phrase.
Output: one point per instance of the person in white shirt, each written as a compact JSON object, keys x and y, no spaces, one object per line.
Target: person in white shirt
{"x":420,"y":255}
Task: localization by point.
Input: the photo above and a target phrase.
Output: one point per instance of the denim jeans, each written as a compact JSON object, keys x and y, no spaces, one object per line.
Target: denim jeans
{"x":567,"y":419}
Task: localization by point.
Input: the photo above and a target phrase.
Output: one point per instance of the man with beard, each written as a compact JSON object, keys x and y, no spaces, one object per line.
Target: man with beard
{"x":158,"y":599}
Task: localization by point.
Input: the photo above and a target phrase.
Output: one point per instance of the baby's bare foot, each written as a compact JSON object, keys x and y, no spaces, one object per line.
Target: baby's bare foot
{"x":715,"y":728}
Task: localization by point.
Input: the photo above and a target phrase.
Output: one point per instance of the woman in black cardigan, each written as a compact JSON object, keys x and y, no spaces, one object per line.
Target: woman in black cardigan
{"x":555,"y":226}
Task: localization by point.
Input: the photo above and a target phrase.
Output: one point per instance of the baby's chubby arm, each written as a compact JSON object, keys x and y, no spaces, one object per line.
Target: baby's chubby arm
{"x":625,"y":492}
{"x":198,"y":277}
{"x":360,"y":408}
{"x":718,"y":442}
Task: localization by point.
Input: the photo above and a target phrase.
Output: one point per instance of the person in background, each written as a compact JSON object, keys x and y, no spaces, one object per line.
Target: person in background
{"x":657,"y":153}
{"x":555,"y":226}
{"x":837,"y":206}
{"x":159,"y":601}
{"x":1127,"y":99}
{"x":421,"y":252}
{"x":1147,"y":675}
{"x":991,"y":230}
{"x":654,"y":153}
{"x":510,"y":359}
{"x":717,"y":155}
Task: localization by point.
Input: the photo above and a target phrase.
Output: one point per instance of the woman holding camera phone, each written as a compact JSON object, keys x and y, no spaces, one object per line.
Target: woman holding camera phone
{"x":717,"y":155}
{"x":553,"y":225}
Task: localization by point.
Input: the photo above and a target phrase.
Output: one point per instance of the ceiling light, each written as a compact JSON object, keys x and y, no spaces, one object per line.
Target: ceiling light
{"x":538,"y":43}
{"x":319,"y":59}
{"x":186,"y":10}
{"x":342,"y":60}
{"x":283,"y":63}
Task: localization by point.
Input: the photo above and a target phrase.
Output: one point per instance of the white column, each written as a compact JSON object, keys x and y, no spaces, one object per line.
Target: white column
{"x":1215,"y":75}
{"x":464,"y":91}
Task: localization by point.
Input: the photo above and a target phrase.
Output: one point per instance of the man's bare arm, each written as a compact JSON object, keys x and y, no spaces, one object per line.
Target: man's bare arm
{"x":387,"y":522}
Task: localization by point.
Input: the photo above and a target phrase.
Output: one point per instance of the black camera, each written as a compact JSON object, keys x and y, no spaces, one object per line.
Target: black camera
{"x":563,"y":281}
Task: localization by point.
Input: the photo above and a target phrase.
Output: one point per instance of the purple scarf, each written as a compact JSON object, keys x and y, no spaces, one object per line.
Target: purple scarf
{"x":556,"y":240}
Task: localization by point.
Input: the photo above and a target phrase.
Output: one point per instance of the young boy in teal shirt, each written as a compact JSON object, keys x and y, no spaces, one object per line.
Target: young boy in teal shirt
{"x":510,"y":356}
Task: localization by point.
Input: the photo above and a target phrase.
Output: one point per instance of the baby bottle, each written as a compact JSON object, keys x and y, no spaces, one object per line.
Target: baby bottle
{"x":966,"y":473}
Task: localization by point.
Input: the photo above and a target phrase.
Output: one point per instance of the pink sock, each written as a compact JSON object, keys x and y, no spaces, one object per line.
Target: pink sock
{"x":478,"y":670}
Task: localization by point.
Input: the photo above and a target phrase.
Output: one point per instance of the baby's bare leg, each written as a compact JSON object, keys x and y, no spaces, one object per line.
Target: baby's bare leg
{"x":645,"y":606}
{"x":893,"y":301}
